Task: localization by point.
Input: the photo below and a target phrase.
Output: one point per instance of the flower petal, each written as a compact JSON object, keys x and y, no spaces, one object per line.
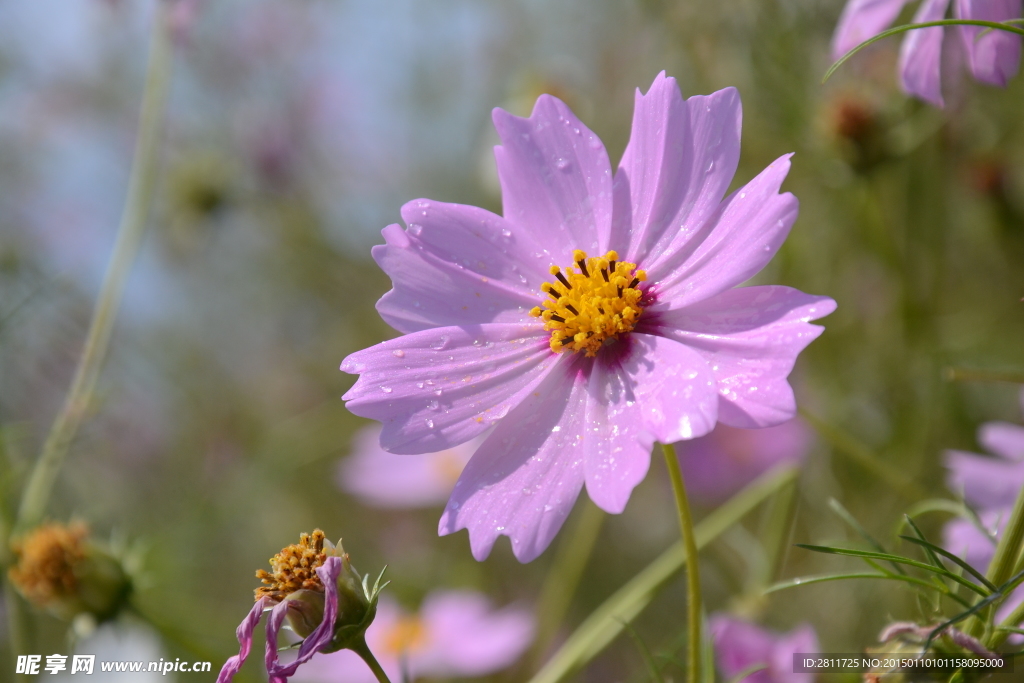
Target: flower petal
{"x":388,"y":480}
{"x":244,"y":635}
{"x":750,"y":337}
{"x":677,"y":166}
{"x":321,"y":635}
{"x":1003,"y":438}
{"x":616,"y":444}
{"x":457,"y":265}
{"x":556,"y":182}
{"x":921,"y":54}
{"x":733,"y":245}
{"x":861,"y":20}
{"x":984,"y":482}
{"x":993,"y":56}
{"x":468,"y":637}
{"x":439,"y":388}
{"x":525,"y":478}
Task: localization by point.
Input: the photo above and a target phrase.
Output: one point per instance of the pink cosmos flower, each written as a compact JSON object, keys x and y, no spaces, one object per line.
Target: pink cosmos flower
{"x":644,"y":337}
{"x":387,"y":480}
{"x":719,"y":464}
{"x":740,"y":645}
{"x":456,"y":634}
{"x":993,"y":56}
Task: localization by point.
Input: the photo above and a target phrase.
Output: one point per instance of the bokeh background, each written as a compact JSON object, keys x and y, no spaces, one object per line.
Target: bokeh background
{"x":296,"y":129}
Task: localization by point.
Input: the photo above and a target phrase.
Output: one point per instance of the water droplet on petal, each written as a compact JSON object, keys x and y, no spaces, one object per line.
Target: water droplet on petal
{"x":429,"y":423}
{"x":563,"y":164}
{"x":439,"y":344}
{"x":398,"y":353}
{"x":415,"y":229}
{"x":505,"y":232}
{"x":433,"y":405}
{"x":385,"y":389}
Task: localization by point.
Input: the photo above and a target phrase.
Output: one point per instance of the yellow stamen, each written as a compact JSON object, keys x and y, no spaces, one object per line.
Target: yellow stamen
{"x":588,"y":307}
{"x":295,"y":567}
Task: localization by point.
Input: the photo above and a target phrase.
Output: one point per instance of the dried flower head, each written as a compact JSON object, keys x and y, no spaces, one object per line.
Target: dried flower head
{"x":47,"y":559}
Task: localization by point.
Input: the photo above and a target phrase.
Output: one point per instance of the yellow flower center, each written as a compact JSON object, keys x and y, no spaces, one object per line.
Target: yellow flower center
{"x":592,"y":306}
{"x":295,"y":567}
{"x":406,"y":635}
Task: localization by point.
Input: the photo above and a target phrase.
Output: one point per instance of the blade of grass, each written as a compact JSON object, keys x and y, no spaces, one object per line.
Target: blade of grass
{"x":645,"y":653}
{"x":933,"y":549}
{"x":897,"y":558}
{"x":847,"y":517}
{"x":824,"y":578}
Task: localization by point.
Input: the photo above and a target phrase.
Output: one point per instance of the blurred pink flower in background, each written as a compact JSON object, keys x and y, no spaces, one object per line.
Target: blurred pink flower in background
{"x":467,"y":284}
{"x":990,"y":486}
{"x":455,"y":634}
{"x":992,"y":56}
{"x":740,"y":645}
{"x":389,"y":480}
{"x":719,"y":464}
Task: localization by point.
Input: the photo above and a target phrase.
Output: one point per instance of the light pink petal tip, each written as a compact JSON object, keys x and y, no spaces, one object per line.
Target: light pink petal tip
{"x":861,"y":20}
{"x":993,"y":56}
{"x":438,"y":388}
{"x":244,"y":635}
{"x":520,"y":483}
{"x":732,"y":246}
{"x":556,"y":182}
{"x":315,"y":641}
{"x":457,"y":265}
{"x":677,"y":166}
{"x":921,"y":54}
{"x":751,"y":338}
{"x":1003,"y":438}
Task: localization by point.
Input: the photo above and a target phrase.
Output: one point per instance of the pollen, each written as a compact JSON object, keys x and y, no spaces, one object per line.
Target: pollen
{"x":588,"y":307}
{"x":294,"y":568}
{"x":47,"y":559}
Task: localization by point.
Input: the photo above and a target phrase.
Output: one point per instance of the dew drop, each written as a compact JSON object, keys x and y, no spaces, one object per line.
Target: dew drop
{"x":419,"y":385}
{"x":505,"y":232}
{"x":385,"y":389}
{"x":438,"y":392}
{"x":439,"y":344}
{"x":563,"y":164}
{"x":433,"y":405}
{"x":415,"y":229}
{"x":429,"y":423}
{"x":398,"y":353}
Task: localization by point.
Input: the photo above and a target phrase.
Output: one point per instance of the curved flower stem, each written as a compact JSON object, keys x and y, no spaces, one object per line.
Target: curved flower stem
{"x":129,"y":237}
{"x":976,"y":375}
{"x":693,"y":605}
{"x":1005,"y":560}
{"x":564,"y":576}
{"x":927,"y":24}
{"x":363,"y":650}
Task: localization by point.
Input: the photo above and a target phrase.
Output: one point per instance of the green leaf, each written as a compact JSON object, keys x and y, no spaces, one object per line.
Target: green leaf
{"x":953,"y":558}
{"x":887,"y":576}
{"x":863,"y":554}
{"x":845,"y":515}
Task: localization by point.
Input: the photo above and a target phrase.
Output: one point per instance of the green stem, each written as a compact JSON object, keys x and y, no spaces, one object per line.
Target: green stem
{"x":607,"y":621}
{"x":910,"y":27}
{"x":976,"y":375}
{"x":564,"y":577}
{"x":18,"y":624}
{"x":133,"y":222}
{"x":363,"y":650}
{"x":1006,"y":558}
{"x":693,"y":606}
{"x":999,"y":635}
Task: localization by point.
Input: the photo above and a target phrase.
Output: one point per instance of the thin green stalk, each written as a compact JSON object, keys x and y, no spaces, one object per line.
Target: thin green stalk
{"x":564,"y":577}
{"x":693,"y":602}
{"x":363,"y":651}
{"x":910,"y":27}
{"x":857,"y":451}
{"x":1000,"y":635}
{"x":129,"y":237}
{"x":17,"y":624}
{"x":1007,"y":555}
{"x":976,"y":375}
{"x":606,"y":622}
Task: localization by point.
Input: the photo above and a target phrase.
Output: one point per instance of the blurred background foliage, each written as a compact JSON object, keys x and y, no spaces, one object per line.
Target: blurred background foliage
{"x":296,"y":130}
